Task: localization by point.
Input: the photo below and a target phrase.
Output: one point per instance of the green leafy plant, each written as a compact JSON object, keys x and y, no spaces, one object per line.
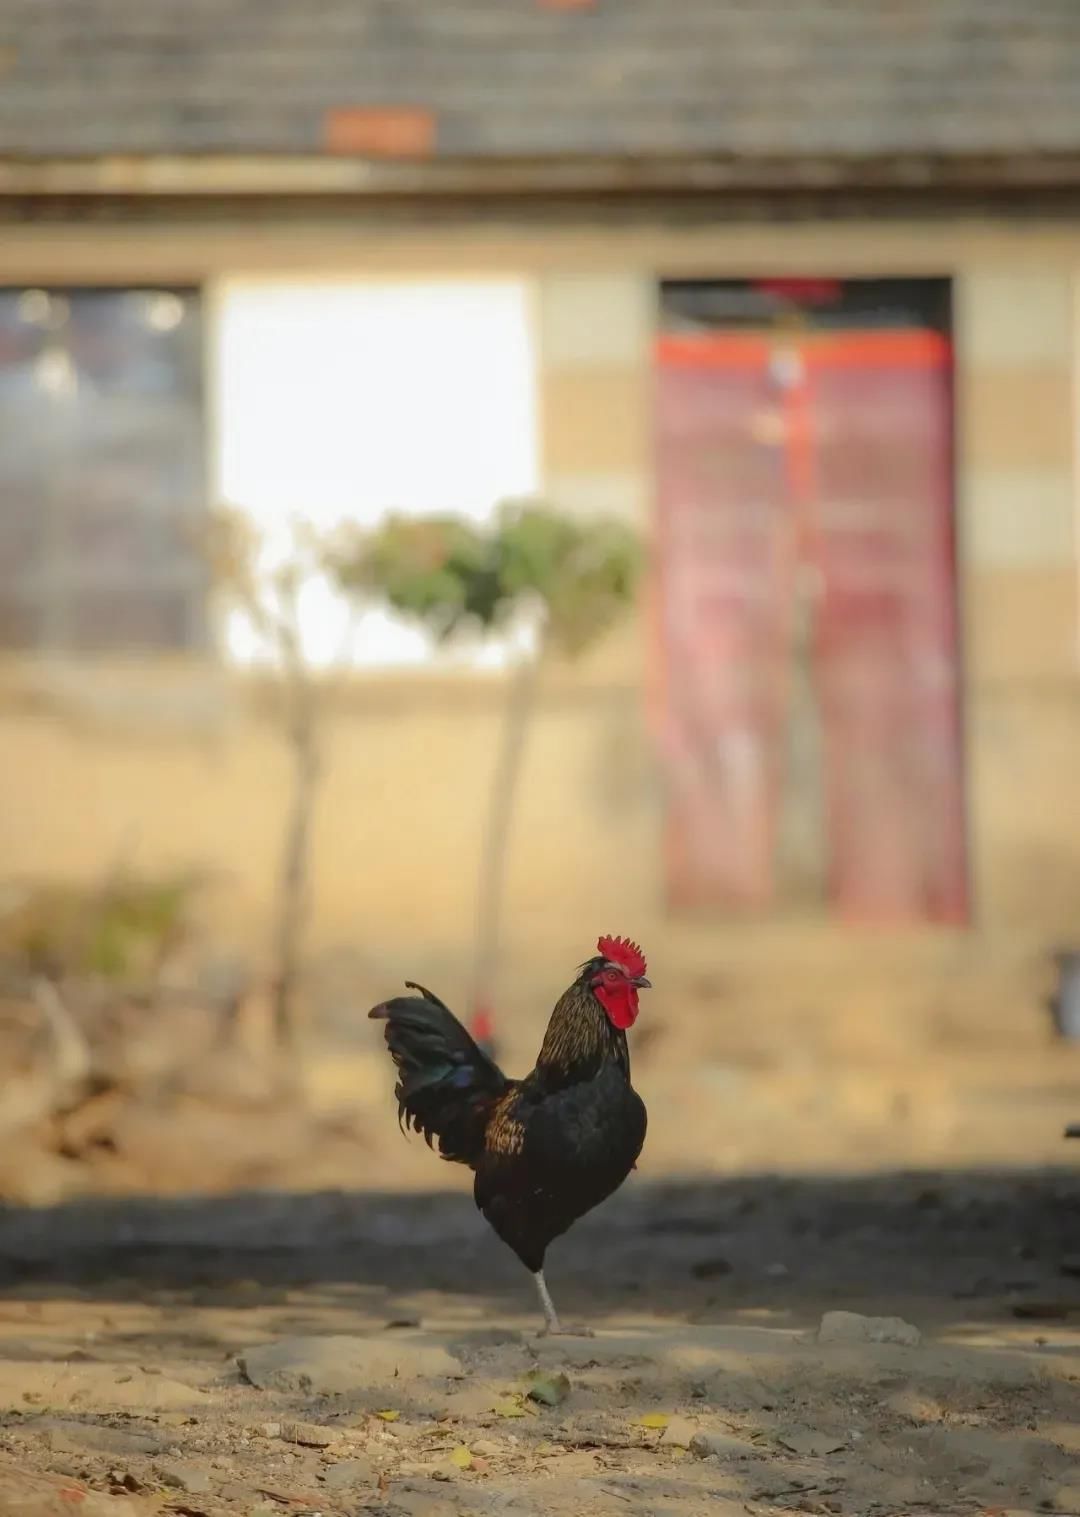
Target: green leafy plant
{"x":439,"y":569}
{"x":122,"y":931}
{"x":574,"y":577}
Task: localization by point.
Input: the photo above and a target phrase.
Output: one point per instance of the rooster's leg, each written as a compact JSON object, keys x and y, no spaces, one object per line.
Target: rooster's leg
{"x":551,"y":1316}
{"x":552,"y":1326}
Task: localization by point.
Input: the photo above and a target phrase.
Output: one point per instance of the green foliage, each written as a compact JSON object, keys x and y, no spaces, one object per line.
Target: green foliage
{"x":439,"y":569}
{"x":584,"y":573}
{"x":449,"y":573}
{"x":120,"y":932}
{"x":139,"y":920}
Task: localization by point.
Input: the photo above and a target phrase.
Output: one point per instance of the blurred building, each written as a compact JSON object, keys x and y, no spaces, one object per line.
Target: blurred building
{"x":792,"y":287}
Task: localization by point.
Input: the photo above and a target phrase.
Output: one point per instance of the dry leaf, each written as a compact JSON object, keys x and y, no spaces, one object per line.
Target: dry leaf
{"x":551,"y":1390}
{"x":388,"y":1416}
{"x":509,"y":1406}
{"x":654,"y":1419}
{"x":461,"y":1457}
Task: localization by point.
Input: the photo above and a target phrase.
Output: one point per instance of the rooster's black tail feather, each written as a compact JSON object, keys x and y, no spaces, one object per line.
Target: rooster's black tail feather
{"x":446,"y":1085}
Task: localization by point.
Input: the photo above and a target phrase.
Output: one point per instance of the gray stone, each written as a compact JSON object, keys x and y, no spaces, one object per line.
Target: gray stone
{"x":66,"y":1437}
{"x":309,"y":1434}
{"x":103,"y":1386}
{"x":336,"y":1364}
{"x":720,"y":1446}
{"x":184,"y":1477}
{"x":680,"y":1433}
{"x":804,"y":1440}
{"x":347,"y":1474}
{"x":852,"y":1327}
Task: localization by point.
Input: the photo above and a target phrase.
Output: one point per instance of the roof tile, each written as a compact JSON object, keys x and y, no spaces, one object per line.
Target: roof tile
{"x":628,"y":77}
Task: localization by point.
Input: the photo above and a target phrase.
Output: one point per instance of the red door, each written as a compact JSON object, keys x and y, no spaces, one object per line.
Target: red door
{"x":831,"y":455}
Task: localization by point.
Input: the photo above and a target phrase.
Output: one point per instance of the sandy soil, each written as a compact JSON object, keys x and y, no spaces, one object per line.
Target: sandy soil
{"x":402,"y":1336}
{"x":331,"y":1328}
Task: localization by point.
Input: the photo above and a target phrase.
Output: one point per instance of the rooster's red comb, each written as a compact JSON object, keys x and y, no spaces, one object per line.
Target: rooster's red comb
{"x":622,"y":951}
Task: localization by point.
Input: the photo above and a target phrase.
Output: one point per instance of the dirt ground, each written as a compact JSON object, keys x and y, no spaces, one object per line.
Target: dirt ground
{"x":310,"y":1317}
{"x":391,"y":1341}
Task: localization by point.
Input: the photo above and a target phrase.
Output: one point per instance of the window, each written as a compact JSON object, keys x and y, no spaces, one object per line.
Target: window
{"x":333,"y":400}
{"x":101,"y":469}
{"x":343,"y":400}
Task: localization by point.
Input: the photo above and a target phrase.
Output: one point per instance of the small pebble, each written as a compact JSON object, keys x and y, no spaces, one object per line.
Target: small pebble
{"x":679,"y":1433}
{"x":185,"y":1477}
{"x":852,"y":1327}
{"x":806,"y":1440}
{"x":719,"y":1445}
{"x":309,"y":1434}
{"x":347,"y":1473}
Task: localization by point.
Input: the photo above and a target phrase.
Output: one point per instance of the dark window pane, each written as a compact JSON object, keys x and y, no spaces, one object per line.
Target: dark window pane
{"x":694,"y":305}
{"x":21,"y":536}
{"x":103,"y":532}
{"x":101,"y":620}
{"x":20,"y":622}
{"x":101,"y":462}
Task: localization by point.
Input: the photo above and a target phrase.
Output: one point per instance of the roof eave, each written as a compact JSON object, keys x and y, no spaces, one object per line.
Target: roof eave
{"x":316,"y":174}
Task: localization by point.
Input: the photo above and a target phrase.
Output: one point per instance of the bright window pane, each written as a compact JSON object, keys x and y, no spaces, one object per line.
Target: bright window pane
{"x":341,"y":401}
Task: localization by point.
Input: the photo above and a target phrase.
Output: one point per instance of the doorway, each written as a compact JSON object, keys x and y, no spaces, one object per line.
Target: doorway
{"x":810,"y":708}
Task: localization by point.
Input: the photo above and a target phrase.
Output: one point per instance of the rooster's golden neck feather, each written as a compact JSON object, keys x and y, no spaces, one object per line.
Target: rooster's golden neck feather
{"x":579,"y":1040}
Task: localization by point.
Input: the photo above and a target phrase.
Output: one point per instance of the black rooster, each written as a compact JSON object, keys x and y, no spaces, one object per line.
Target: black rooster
{"x":546,"y":1149}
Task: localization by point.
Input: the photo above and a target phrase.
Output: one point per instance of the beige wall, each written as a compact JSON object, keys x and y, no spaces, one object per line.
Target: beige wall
{"x":1018,"y":429}
{"x":186,"y":768}
{"x":179,"y":766}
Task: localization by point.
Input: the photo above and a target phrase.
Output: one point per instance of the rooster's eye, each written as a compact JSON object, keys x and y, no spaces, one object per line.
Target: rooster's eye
{"x":611,"y":975}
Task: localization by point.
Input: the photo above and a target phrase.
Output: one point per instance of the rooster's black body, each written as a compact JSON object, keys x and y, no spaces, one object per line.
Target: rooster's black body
{"x":546,"y":1149}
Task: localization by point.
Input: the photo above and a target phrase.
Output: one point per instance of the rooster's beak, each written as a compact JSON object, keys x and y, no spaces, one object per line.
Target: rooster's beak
{"x":642,"y":983}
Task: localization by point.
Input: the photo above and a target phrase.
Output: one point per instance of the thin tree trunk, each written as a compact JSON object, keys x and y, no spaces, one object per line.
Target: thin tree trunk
{"x":296,"y":856}
{"x":493,"y":859}
{"x":41,"y":1095}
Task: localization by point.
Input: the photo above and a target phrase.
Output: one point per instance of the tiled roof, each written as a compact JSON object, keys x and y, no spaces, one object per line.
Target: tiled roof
{"x":487,"y":79}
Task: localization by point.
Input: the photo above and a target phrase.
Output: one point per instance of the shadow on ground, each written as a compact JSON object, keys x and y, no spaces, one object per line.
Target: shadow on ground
{"x":128,"y":1329}
{"x":949,"y":1246}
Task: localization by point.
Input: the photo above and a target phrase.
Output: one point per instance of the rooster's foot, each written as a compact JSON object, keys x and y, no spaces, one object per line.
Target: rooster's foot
{"x":556,"y":1330}
{"x":553,"y":1328}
